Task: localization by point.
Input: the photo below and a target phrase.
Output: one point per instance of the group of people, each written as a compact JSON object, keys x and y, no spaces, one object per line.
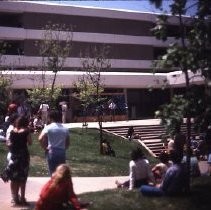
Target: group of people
{"x":54,"y":139}
{"x":170,"y":175}
{"x":166,"y":178}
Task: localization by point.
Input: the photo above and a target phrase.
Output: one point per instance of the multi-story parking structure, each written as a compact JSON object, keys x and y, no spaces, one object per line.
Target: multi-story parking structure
{"x":132,"y":50}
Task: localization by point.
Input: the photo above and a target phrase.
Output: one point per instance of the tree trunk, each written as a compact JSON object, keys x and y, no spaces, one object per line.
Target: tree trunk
{"x":188,"y":131}
{"x":52,"y":87}
{"x":101,"y":132}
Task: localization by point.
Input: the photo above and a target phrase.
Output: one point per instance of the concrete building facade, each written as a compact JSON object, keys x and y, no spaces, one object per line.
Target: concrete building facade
{"x":127,"y":33}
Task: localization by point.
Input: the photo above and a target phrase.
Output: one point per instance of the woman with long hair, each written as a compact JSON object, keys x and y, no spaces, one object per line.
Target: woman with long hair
{"x":18,"y":159}
{"x":139,"y":171}
{"x":58,"y":192}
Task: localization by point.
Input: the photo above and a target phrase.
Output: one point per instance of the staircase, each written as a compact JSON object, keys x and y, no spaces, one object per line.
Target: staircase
{"x":149,"y":136}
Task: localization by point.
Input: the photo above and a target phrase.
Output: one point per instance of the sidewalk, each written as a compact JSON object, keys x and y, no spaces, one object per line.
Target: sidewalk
{"x":34,"y":185}
{"x":115,"y":123}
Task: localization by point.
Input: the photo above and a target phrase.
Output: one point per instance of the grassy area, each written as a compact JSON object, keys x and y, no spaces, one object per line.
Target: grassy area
{"x":83,"y":155}
{"x":199,"y":198}
{"x":85,"y":160}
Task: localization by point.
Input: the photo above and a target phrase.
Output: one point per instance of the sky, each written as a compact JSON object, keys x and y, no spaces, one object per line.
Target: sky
{"x":134,"y":5}
{"x":139,"y":5}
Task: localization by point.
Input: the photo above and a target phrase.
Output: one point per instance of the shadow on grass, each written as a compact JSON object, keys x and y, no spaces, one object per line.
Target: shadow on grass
{"x":119,"y":199}
{"x":200,"y":193}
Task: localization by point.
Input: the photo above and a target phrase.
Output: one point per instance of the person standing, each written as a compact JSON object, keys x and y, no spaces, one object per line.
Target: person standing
{"x":54,"y":139}
{"x":179,"y":140}
{"x":207,"y":139}
{"x":130,"y":133}
{"x":64,"y":109}
{"x":112,"y":107}
{"x":44,"y":108}
{"x":18,"y":160}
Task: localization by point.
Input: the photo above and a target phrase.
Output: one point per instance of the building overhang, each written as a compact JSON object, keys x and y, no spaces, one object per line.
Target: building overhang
{"x":177,"y":78}
{"x":67,"y":79}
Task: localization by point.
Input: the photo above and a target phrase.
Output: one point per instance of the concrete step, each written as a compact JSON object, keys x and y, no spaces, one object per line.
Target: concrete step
{"x":150,"y":135}
{"x":155,"y":148}
{"x":154,"y":145}
{"x":151,"y":141}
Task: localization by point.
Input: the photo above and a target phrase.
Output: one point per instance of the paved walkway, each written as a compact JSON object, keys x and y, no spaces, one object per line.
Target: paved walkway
{"x":115,"y":123}
{"x":34,"y":185}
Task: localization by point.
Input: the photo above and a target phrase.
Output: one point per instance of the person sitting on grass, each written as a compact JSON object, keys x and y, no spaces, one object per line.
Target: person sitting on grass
{"x":140,"y":171}
{"x":58,"y":193}
{"x":107,"y":149}
{"x":194,"y":163}
{"x":159,"y":170}
{"x":207,"y":139}
{"x":174,"y":182}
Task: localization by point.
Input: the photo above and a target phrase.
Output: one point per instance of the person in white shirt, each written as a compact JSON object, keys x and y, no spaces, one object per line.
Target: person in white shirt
{"x":38,"y":123}
{"x":54,"y":139}
{"x":64,"y":109}
{"x":112,"y":107}
{"x":44,"y":108}
{"x":139,"y":171}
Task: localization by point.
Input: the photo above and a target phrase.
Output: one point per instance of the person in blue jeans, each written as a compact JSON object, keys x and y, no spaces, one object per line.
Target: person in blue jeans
{"x":174,"y":182}
{"x":54,"y":138}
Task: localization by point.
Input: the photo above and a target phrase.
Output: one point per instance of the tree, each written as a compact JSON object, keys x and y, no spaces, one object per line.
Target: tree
{"x":39,"y":95}
{"x":172,"y":114}
{"x":90,"y":86}
{"x":54,"y":48}
{"x":190,"y":51}
{"x":5,"y":83}
{"x":4,"y":93}
{"x":85,"y":93}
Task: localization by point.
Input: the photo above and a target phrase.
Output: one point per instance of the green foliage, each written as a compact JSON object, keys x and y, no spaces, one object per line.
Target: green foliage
{"x":40,"y":95}
{"x":5,"y":83}
{"x":160,"y":30}
{"x":86,"y":91}
{"x":172,"y":114}
{"x":189,"y":52}
{"x":4,"y":93}
{"x":90,"y":86}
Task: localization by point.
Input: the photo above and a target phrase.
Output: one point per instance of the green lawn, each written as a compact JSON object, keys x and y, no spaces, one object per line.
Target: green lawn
{"x":199,"y":199}
{"x":83,"y":155}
